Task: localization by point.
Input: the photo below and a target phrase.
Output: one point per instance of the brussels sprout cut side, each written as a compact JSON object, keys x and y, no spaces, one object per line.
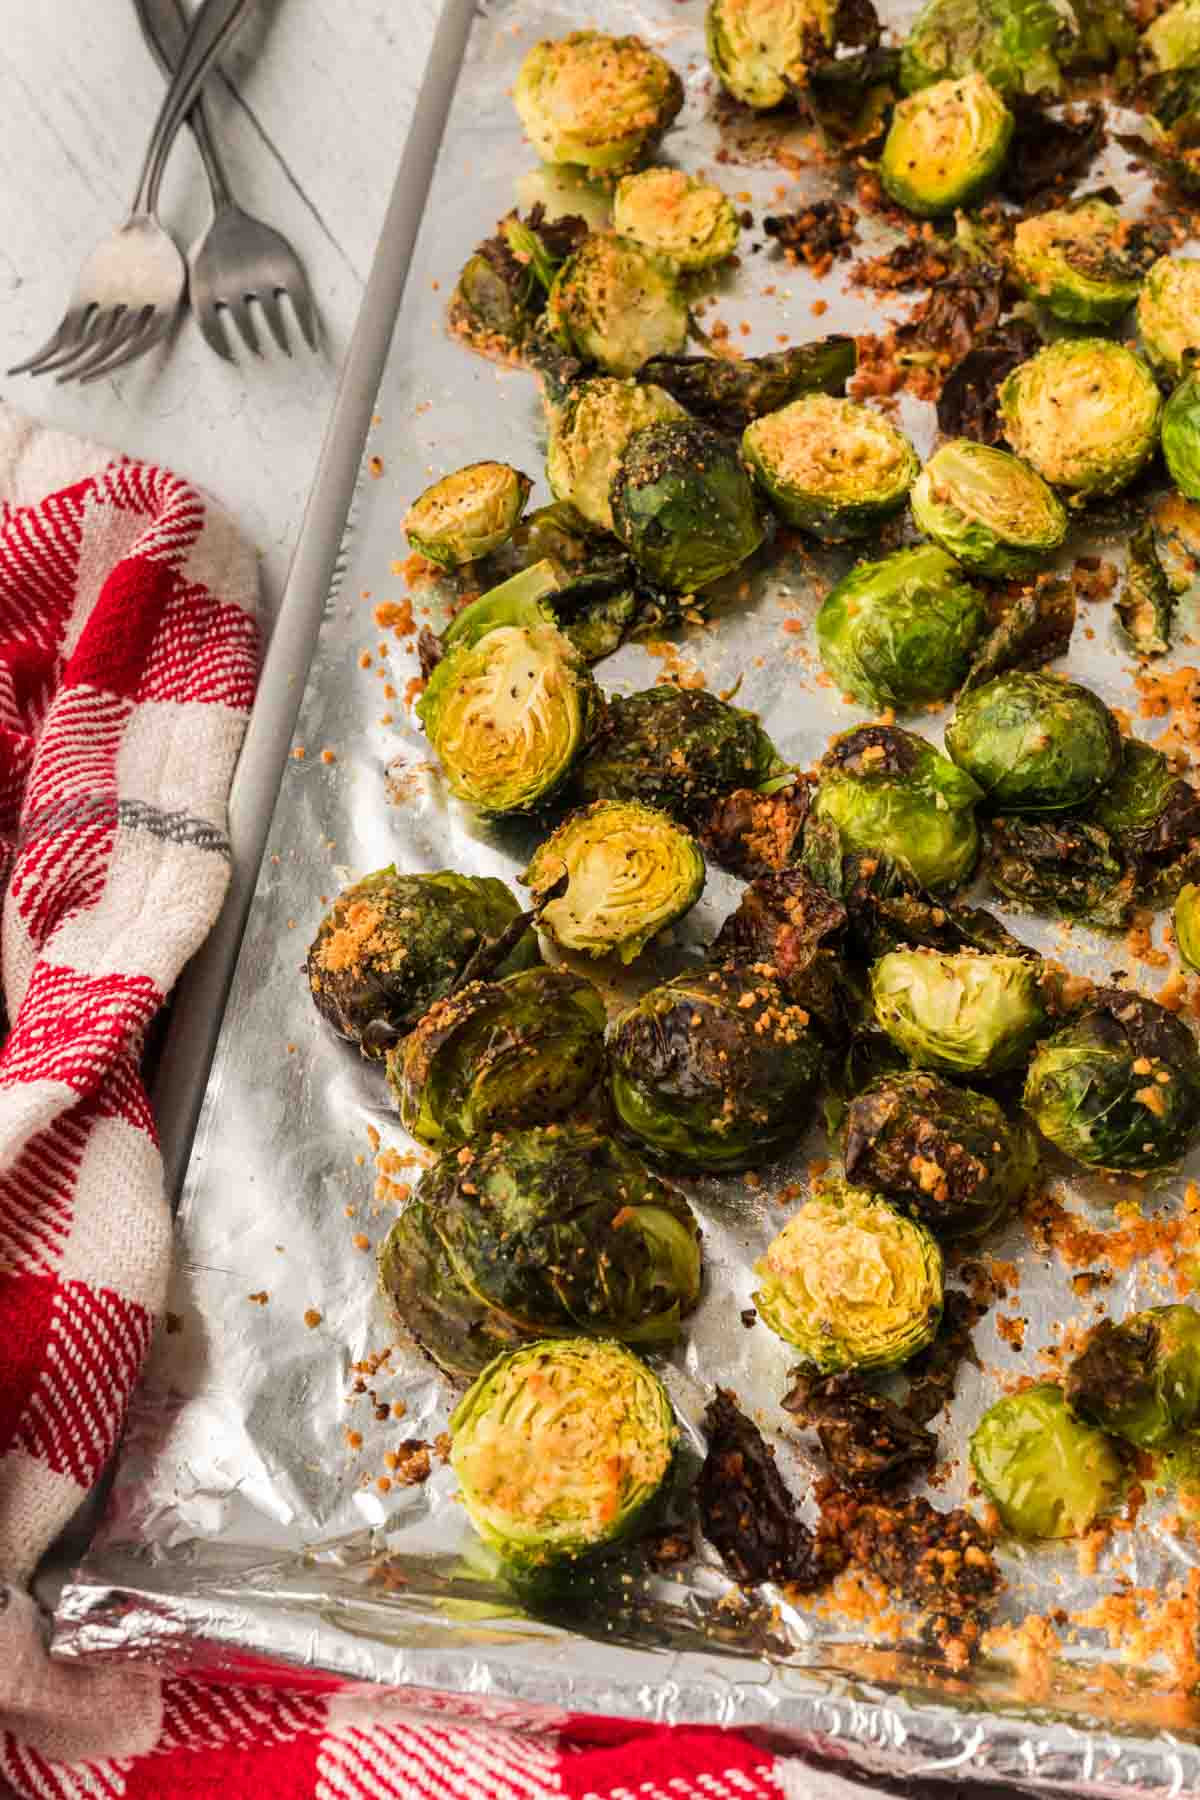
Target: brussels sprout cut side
{"x":987,"y":508}
{"x":588,"y":434}
{"x":561,"y":1449}
{"x":1071,"y":260}
{"x":1012,"y":42}
{"x":1140,"y":1380}
{"x":829,"y":465}
{"x":1033,"y":743}
{"x":945,"y":145}
{"x":1168,"y":314}
{"x":674,"y":215}
{"x":889,"y":792}
{"x":613,"y":304}
{"x":1187,"y":925}
{"x":1048,"y":1474}
{"x":467,"y":514}
{"x":759,"y":47}
{"x":851,"y":1282}
{"x":598,"y":101}
{"x":901,"y":632}
{"x":1173,"y":40}
{"x":1181,"y":435}
{"x":678,"y":749}
{"x":684,"y":505}
{"x":1084,"y":412}
{"x":968,"y":1013}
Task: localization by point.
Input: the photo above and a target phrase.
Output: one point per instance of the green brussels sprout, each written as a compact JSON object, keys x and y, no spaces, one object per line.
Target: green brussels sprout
{"x":588,"y":434}
{"x":392,"y":944}
{"x":987,"y":508}
{"x":900,"y":632}
{"x":561,"y":1449}
{"x":851,"y":1282}
{"x":563,"y":1230}
{"x":945,"y":145}
{"x":673,"y":215}
{"x":1168,"y":313}
{"x":1060,"y":865}
{"x":630,"y":872}
{"x":684,"y":505}
{"x":678,"y":749}
{"x":759,"y":48}
{"x":1173,"y":40}
{"x":1140,"y":1380}
{"x":1181,"y":435}
{"x":968,"y":1013}
{"x":465,"y":515}
{"x":715,"y":1069}
{"x":1034,"y":743}
{"x":1047,"y":1473}
{"x":1071,"y":259}
{"x":890,"y":793}
{"x":829,"y":465}
{"x":1146,"y":808}
{"x":601,"y":102}
{"x":1012,"y":42}
{"x":948,"y":1154}
{"x":498,"y":1053}
{"x":1119,"y":1087}
{"x":1084,"y":412}
{"x":612,"y":303}
{"x":731,"y":394}
{"x":1187,"y":924}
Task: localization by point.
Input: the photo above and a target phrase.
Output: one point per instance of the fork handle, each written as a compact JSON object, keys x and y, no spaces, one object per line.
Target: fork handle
{"x":165,"y":27}
{"x":211,"y":29}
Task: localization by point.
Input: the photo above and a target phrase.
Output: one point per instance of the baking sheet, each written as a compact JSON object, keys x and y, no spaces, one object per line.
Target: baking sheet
{"x":246,"y":1522}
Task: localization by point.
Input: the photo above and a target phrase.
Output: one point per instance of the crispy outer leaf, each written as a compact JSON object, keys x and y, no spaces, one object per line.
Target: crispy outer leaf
{"x":1060,"y":865}
{"x":731,"y":394}
{"x":968,"y":405}
{"x":1146,"y":604}
{"x":1050,"y":150}
{"x":746,"y":1510}
{"x":1036,"y":628}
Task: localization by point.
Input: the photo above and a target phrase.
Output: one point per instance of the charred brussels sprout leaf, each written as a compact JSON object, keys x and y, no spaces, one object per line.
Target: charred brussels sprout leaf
{"x":392,"y":944}
{"x":746,"y":1510}
{"x":1106,"y":33}
{"x":900,"y":632}
{"x":1048,"y":1474}
{"x":1084,"y":412}
{"x":1072,"y":260}
{"x":849,"y":98}
{"x":1065,"y":866}
{"x":1146,"y":605}
{"x":1168,"y":314}
{"x":1036,"y":628}
{"x":613,"y":304}
{"x":987,"y":508}
{"x":945,"y":145}
{"x":1153,"y":816}
{"x":788,"y":925}
{"x":868,"y":1441}
{"x":562,"y":1448}
{"x":731,"y":394}
{"x":851,"y":1282}
{"x":468,"y":514}
{"x":601,"y":102}
{"x":890,"y":793}
{"x":947,"y":1153}
{"x":588,"y":434}
{"x":968,"y":1013}
{"x":631,"y":872}
{"x":1033,"y":743}
{"x":494,"y":1054}
{"x":684,"y":505}
{"x":1173,"y":40}
{"x":757,"y":47}
{"x":1119,"y":1087}
{"x":1181,"y":435}
{"x":831,"y":466}
{"x":758,"y":831}
{"x":1187,"y":924}
{"x":1012,"y":42}
{"x":715,"y":1069}
{"x":1140,"y":1380}
{"x":1049,"y":151}
{"x":969,"y":403}
{"x":679,"y":749}
{"x":673,"y":215}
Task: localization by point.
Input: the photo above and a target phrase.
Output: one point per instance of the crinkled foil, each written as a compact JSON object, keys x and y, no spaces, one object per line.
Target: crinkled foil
{"x":247,"y":1525}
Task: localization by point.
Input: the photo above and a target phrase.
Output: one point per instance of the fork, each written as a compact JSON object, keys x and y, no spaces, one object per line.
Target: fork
{"x":129,"y":291}
{"x":239,"y":259}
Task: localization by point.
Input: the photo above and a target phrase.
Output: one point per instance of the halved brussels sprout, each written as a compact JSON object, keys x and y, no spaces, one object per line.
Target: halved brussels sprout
{"x":1034,"y":743}
{"x":561,"y":1449}
{"x":631,"y":872}
{"x":1012,"y":42}
{"x":672,"y":214}
{"x":851,"y":1282}
{"x":684,"y":504}
{"x":1173,"y":40}
{"x":890,"y":793}
{"x":561,"y":1231}
{"x":1047,"y":1473}
{"x":1181,"y":435}
{"x":465,"y":515}
{"x":1072,"y":260}
{"x":715,"y":1069}
{"x":945,"y":145}
{"x":1140,"y":1380}
{"x":969,"y":1013}
{"x":392,"y":944}
{"x":1119,"y":1087}
{"x":1057,"y":864}
{"x":612,"y":303}
{"x":1187,"y":925}
{"x":1084,"y":412}
{"x":947,"y":1153}
{"x":589,"y":432}
{"x":830,"y":465}
{"x":678,"y":749}
{"x":731,"y":394}
{"x":987,"y":508}
{"x":499,"y":1053}
{"x":595,"y":100}
{"x":1168,"y":313}
{"x":900,"y":632}
{"x":758,"y":48}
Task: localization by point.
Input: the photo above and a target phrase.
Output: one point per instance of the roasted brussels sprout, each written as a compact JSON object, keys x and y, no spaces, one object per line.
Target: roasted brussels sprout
{"x":731,"y":394}
{"x":1152,"y":815}
{"x":758,"y":48}
{"x":678,"y":749}
{"x":588,"y":434}
{"x":1060,"y":865}
{"x":561,"y":1449}
{"x":830,"y":465}
{"x":890,"y":793}
{"x":1047,"y":1473}
{"x":1181,"y":435}
{"x":562,"y":1230}
{"x":789,"y":928}
{"x":465,"y":515}
{"x":1071,"y":259}
{"x":392,"y":944}
{"x":900,"y":632}
{"x":1173,"y":40}
{"x":631,"y":872}
{"x":1140,"y":1380}
{"x":499,"y":1053}
{"x":715,"y":1069}
{"x":612,"y":303}
{"x":595,"y":100}
{"x":684,"y":504}
{"x":1084,"y":412}
{"x":945,"y":145}
{"x":1012,"y":42}
{"x":1168,"y":314}
{"x":987,"y":508}
{"x":674,"y":215}
{"x":947,"y":1153}
{"x":1119,"y":1087}
{"x":851,"y":1282}
{"x":500,"y":295}
{"x":1187,"y":924}
{"x":1034,"y":743}
{"x":969,"y":1013}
